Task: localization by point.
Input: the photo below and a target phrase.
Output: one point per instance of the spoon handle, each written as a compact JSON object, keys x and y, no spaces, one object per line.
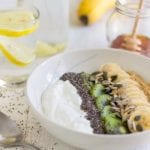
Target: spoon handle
{"x":22,"y":144}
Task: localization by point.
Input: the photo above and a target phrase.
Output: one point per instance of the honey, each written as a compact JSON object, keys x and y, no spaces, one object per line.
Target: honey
{"x":144,"y":43}
{"x":128,"y":26}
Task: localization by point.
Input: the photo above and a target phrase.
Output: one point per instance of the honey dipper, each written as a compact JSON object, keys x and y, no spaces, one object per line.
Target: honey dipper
{"x":132,"y":42}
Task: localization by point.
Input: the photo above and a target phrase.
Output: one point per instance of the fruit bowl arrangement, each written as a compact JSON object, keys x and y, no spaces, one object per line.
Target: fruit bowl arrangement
{"x":53,"y":96}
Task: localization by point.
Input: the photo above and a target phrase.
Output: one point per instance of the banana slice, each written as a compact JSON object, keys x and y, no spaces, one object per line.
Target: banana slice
{"x":16,"y":53}
{"x":140,"y":119}
{"x":16,"y":23}
{"x":114,"y":69}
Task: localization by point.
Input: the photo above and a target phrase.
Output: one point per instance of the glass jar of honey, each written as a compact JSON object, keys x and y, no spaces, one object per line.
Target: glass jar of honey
{"x":129,"y":27}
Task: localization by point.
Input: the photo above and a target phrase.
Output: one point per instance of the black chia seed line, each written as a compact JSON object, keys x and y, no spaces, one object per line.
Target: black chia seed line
{"x":87,"y":105}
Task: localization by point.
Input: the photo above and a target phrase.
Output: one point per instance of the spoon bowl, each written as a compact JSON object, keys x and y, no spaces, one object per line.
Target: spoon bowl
{"x":10,"y":134}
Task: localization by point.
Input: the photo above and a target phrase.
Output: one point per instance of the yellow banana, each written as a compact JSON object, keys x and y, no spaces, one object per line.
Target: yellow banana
{"x":92,"y":10}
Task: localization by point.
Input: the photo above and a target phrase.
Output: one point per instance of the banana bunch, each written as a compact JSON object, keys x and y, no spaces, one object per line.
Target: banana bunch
{"x":92,"y":10}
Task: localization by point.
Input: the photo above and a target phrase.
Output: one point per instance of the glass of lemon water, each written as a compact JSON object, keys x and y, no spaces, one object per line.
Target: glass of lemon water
{"x":18,"y":22}
{"x":27,"y":37}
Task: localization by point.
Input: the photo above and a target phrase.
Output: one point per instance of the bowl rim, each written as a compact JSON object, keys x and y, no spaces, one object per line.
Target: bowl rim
{"x":107,"y":136}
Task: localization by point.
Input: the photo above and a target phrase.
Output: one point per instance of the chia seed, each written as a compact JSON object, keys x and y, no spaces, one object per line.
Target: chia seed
{"x":87,"y":104}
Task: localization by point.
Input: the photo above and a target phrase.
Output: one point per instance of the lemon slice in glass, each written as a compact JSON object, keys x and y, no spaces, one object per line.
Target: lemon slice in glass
{"x":16,"y":53}
{"x":44,"y":49}
{"x":16,"y":23}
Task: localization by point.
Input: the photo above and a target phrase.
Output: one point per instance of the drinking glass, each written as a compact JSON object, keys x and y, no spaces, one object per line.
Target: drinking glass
{"x":54,"y":21}
{"x":51,"y":20}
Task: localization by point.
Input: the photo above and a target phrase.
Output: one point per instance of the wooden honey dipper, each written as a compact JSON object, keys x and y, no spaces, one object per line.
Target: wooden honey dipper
{"x":132,"y":42}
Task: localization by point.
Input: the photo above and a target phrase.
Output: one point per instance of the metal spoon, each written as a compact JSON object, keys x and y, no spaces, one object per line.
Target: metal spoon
{"x":10,"y":135}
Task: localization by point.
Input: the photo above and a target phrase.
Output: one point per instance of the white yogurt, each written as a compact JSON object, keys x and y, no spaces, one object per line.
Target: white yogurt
{"x":61,"y":104}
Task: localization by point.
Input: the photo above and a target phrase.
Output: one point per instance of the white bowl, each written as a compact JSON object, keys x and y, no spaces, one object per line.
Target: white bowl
{"x":89,"y":60}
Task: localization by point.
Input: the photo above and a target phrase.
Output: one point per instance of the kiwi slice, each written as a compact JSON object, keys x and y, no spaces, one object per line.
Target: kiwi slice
{"x":102,"y":101}
{"x":97,"y":90}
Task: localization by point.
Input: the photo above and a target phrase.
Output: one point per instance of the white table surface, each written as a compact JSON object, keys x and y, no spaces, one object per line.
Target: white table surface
{"x":13,"y":101}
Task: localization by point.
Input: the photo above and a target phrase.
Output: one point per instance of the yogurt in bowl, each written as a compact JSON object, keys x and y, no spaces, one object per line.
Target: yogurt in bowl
{"x":88,"y":62}
{"x":64,"y":108}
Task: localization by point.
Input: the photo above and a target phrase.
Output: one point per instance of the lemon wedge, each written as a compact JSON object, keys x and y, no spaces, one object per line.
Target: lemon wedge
{"x":16,"y":23}
{"x":16,"y":53}
{"x":44,"y":49}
